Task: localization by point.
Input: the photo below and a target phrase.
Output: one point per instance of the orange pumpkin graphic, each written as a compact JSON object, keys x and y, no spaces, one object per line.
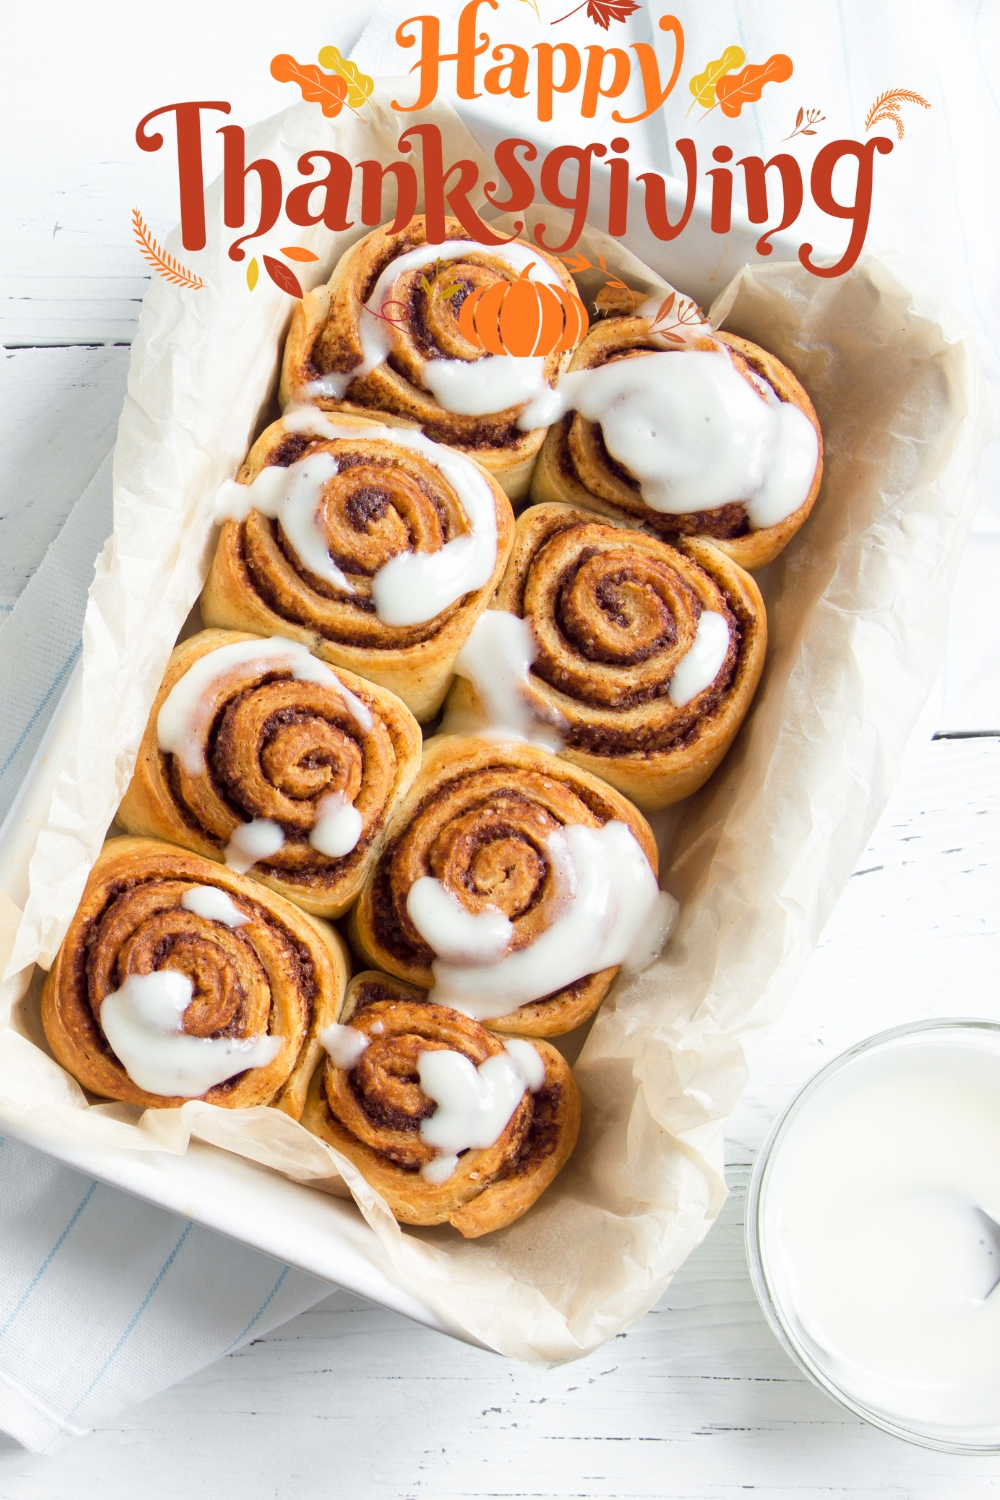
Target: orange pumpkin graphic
{"x":522,"y":317}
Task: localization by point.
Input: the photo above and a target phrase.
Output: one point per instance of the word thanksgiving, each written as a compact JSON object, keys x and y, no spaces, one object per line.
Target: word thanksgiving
{"x":774,"y":189}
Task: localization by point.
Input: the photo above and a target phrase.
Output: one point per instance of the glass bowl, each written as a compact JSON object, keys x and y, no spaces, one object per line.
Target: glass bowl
{"x":823,"y":1368}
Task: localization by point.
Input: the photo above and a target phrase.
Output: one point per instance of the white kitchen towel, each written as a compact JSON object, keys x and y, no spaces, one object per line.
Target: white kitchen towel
{"x":105,"y":1299}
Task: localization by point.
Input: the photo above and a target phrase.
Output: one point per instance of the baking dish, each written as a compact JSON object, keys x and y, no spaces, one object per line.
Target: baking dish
{"x":849,"y":670}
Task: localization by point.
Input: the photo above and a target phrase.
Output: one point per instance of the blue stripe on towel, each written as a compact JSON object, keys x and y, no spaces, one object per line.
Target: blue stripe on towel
{"x":134,"y":1320}
{"x":845,"y":53}
{"x":48,"y":1259}
{"x":53,"y":685}
{"x":262,"y":1309}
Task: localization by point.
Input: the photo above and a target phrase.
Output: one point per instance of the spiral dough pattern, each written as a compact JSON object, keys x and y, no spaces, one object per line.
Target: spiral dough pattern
{"x":614,"y":612}
{"x":372,"y":1112}
{"x":279,"y":973}
{"x":575,"y":466}
{"x":477,"y":819}
{"x":272,"y":747}
{"x":420,"y":322}
{"x":385,"y":500}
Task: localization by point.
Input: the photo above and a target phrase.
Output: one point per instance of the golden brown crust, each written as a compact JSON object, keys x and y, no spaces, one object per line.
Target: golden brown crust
{"x":274,"y":747}
{"x":476,"y":818}
{"x":613,"y":610}
{"x":325,"y":338}
{"x":283,"y":972}
{"x":385,"y":500}
{"x":372,"y":1111}
{"x":575,"y":468}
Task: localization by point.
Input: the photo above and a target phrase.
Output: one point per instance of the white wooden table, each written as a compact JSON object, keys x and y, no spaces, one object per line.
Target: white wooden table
{"x":698,"y":1400}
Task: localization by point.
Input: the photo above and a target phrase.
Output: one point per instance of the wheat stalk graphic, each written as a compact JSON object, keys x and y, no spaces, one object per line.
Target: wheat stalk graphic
{"x":170,"y":269}
{"x":886,"y":107}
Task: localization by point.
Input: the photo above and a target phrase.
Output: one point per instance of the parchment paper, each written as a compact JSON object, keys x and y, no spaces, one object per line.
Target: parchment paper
{"x":857,"y":607}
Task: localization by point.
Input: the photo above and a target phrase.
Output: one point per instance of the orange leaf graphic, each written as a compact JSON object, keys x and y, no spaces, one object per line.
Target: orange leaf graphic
{"x":575,"y":263}
{"x":165,"y":265}
{"x":282,"y":276}
{"x":328,"y":90}
{"x":295,"y":252}
{"x":703,"y":85}
{"x":733,"y":90}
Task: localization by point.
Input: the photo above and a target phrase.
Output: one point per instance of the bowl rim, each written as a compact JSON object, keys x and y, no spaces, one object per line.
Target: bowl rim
{"x":754,"y":1239}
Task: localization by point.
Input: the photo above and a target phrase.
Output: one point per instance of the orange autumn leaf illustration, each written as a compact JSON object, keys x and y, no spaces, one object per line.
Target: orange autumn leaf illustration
{"x":602,"y":12}
{"x":328,"y":90}
{"x":359,"y":85}
{"x":886,"y":108}
{"x":282,"y":276}
{"x":733,"y":90}
{"x":686,"y":314}
{"x":576,"y":263}
{"x":165,"y":265}
{"x":703,"y":85}
{"x":295,"y":252}
{"x":805,"y":121}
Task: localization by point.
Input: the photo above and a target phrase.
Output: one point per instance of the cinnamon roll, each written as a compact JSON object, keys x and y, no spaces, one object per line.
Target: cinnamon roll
{"x":178,"y":979}
{"x":383,"y":336}
{"x":259,"y":755}
{"x":633,"y":659}
{"x":714,"y":439}
{"x":374,"y":546}
{"x":445,"y":1120}
{"x":512,"y":886}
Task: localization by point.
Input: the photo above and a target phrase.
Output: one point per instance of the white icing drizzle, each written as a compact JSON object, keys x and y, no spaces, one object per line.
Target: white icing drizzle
{"x":693,"y":432}
{"x":456,"y":934}
{"x":606,"y":909}
{"x":411,"y":587}
{"x":338,"y":826}
{"x":215,"y":905}
{"x":475,"y":387}
{"x":474,"y":1105}
{"x":187,"y":710}
{"x":529,"y":1060}
{"x":344,"y":1045}
{"x":791,"y":470}
{"x":497,"y":660}
{"x":258,"y":839}
{"x":290,"y":496}
{"x":700,"y":666}
{"x":314,"y":423}
{"x":439,"y":1169}
{"x":142,"y":1022}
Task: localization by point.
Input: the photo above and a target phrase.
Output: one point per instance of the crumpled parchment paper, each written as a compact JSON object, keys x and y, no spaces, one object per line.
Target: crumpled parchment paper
{"x":857,"y":608}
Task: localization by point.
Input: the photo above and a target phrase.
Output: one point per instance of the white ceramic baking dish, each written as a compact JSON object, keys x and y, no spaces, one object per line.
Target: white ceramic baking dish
{"x":296,"y":1224}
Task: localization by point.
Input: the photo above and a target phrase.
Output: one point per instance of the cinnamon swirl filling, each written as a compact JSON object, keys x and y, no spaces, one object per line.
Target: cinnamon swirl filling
{"x":204,"y":975}
{"x":369,"y":1100}
{"x":256,"y":735}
